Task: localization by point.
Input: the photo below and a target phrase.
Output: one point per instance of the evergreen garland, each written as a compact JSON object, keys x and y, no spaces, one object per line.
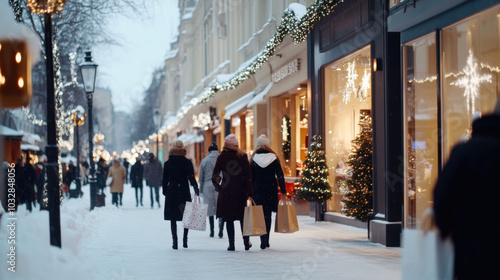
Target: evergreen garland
{"x":286,"y":147}
{"x":291,"y":25}
{"x":314,"y":186}
{"x":359,"y":198}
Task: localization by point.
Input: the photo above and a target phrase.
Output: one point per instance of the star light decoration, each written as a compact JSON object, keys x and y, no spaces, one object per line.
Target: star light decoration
{"x":471,"y":81}
{"x":350,"y":86}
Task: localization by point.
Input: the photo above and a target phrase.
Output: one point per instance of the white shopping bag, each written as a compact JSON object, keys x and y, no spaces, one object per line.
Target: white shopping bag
{"x":195,"y":214}
{"x":425,"y":255}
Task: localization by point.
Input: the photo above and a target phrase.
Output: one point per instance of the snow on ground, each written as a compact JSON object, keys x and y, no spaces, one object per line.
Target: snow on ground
{"x":135,"y":243}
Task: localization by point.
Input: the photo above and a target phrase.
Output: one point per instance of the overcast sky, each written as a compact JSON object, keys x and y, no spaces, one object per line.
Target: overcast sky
{"x":144,"y":40}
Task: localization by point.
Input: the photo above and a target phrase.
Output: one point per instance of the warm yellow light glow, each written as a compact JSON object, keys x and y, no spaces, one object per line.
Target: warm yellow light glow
{"x":2,"y":79}
{"x":18,"y":57}
{"x":0,"y":46}
{"x":20,"y":82}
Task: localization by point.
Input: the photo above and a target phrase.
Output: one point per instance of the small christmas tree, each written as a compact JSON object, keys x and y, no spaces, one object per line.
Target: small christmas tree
{"x":314,"y":182}
{"x":359,"y":199}
{"x":286,"y":147}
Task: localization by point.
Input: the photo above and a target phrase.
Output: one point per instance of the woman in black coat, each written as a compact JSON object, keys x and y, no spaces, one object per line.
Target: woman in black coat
{"x":235,"y":187}
{"x":266,"y":172}
{"x":177,"y":171}
{"x":136,"y":177}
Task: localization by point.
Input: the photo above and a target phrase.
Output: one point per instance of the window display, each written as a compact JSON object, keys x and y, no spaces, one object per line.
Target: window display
{"x":347,"y":96}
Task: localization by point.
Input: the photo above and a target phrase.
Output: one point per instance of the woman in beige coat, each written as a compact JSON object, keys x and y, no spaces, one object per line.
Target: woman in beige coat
{"x":119,"y":174}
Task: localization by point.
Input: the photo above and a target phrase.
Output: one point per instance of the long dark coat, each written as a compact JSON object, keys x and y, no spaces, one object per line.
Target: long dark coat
{"x":466,"y":200}
{"x":136,"y":174}
{"x":266,"y":174}
{"x":236,"y":184}
{"x":177,"y":171}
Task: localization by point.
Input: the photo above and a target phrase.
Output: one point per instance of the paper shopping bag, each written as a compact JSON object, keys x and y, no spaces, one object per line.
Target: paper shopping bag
{"x":253,"y":220}
{"x":195,"y":214}
{"x":286,"y":217}
{"x":424,"y":254}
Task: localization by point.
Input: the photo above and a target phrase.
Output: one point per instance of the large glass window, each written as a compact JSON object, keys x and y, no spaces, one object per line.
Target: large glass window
{"x":470,"y":61}
{"x":421,"y":125}
{"x":347,"y":95}
{"x":469,"y":86}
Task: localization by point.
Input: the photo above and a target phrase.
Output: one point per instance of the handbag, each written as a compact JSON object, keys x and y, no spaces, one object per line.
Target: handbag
{"x":109,"y":181}
{"x":100,"y":200}
{"x":253,"y":220}
{"x":286,"y":217}
{"x":195,"y":214}
{"x":424,"y":254}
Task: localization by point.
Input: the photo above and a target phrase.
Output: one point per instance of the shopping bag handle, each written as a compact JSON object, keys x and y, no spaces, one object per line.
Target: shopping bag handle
{"x":250,"y":202}
{"x":196,"y":199}
{"x":284,"y":200}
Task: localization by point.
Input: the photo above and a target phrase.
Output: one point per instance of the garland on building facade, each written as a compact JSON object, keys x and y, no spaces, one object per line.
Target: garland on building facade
{"x":286,"y":147}
{"x":359,"y":198}
{"x":297,"y":28}
{"x":314,"y":186}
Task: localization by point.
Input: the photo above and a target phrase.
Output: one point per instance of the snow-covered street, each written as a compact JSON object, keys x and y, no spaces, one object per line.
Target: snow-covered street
{"x":135,"y":243}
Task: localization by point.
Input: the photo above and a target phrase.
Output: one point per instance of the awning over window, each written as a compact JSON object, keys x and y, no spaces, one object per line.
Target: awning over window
{"x":259,"y":98}
{"x":237,"y":105}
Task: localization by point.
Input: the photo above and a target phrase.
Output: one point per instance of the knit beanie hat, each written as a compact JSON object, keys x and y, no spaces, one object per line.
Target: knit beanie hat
{"x":231,"y":140}
{"x":213,"y":147}
{"x":178,"y":144}
{"x":262,"y":141}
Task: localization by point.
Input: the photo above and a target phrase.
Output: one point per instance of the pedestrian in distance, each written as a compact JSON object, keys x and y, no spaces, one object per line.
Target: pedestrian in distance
{"x":136,"y":176}
{"x":152,"y":175}
{"x":101,"y":174}
{"x":266,"y":174}
{"x":207,"y":189}
{"x":118,"y":173}
{"x":29,"y":177}
{"x":232,"y":178}
{"x":126,"y":164}
{"x":178,"y":172}
{"x":466,"y":199}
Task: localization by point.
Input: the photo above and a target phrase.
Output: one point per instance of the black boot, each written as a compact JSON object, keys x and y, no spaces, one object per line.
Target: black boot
{"x":211,"y":222}
{"x":173,"y":228}
{"x":231,"y":246}
{"x":248,"y":244}
{"x":221,"y":227}
{"x":185,"y":238}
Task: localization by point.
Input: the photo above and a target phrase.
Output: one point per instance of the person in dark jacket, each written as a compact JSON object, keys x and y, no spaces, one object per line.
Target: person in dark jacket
{"x":136,"y":176}
{"x":102,"y":174}
{"x":29,"y":177}
{"x":266,"y":172}
{"x":126,"y":164}
{"x":466,"y":200}
{"x":234,"y":189}
{"x":152,"y":175}
{"x":178,"y":172}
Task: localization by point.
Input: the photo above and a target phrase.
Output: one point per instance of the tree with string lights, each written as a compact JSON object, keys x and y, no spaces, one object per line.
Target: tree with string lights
{"x":314,"y":186}
{"x":359,"y":198}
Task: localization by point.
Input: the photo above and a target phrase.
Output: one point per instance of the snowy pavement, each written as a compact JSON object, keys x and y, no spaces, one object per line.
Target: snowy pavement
{"x":135,"y":243}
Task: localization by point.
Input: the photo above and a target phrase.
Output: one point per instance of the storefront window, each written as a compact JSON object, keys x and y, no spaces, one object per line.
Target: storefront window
{"x":395,"y":2}
{"x":347,"y":95}
{"x":471,"y":65}
{"x":291,"y":120}
{"x":421,"y":126}
{"x":242,"y":126}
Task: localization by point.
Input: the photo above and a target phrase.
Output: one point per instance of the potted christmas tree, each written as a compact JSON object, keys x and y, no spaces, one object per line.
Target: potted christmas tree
{"x":314,"y":185}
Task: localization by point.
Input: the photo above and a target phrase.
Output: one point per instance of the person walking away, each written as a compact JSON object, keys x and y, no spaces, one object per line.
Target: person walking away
{"x":136,"y":176}
{"x":29,"y":177}
{"x":101,"y":174}
{"x":466,"y":199}
{"x":177,"y":172}
{"x":266,"y":174}
{"x":207,"y":189}
{"x":152,"y":175}
{"x":232,"y":178}
{"x":126,"y":164}
{"x":117,"y":172}
{"x":70,"y":174}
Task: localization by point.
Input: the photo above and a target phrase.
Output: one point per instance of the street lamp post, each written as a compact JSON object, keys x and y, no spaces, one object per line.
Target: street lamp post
{"x":89,"y":69}
{"x":157,"y":123}
{"x":52,"y":150}
{"x":78,"y":116}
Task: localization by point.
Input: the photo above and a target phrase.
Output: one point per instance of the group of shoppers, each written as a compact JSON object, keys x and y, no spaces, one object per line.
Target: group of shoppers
{"x":225,"y":184}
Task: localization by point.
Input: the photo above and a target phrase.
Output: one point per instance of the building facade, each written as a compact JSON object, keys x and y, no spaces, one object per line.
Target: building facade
{"x":423,"y":70}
